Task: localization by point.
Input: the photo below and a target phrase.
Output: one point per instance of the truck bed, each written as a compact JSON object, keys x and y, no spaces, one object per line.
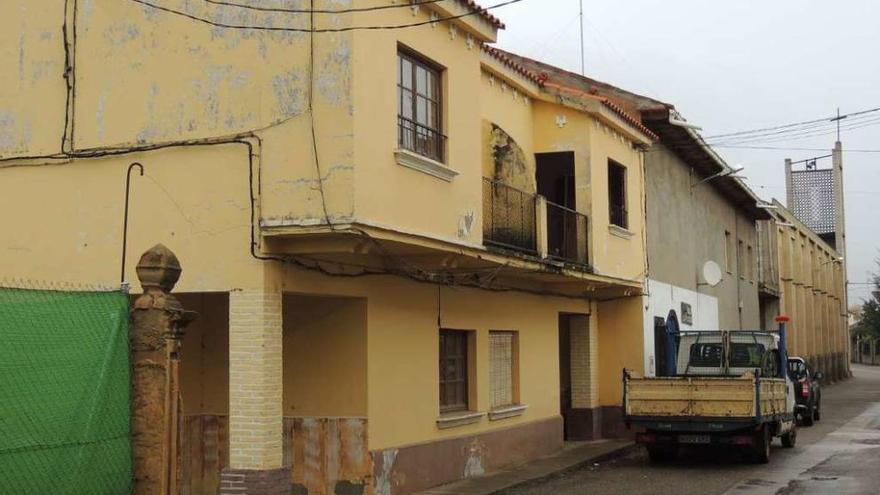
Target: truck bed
{"x":690,"y":399}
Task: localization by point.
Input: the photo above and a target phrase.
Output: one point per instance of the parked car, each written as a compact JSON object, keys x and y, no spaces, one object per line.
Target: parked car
{"x":807,"y":391}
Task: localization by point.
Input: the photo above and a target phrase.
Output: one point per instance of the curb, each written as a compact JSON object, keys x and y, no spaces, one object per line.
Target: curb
{"x":615,"y":454}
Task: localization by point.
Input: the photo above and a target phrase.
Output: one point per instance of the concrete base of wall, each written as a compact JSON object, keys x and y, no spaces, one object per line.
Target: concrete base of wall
{"x":253,"y":482}
{"x":612,"y":423}
{"x":583,"y":424}
{"x":415,"y":468}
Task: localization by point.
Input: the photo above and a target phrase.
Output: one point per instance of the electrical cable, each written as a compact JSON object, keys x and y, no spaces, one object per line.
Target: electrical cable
{"x":827,"y":119}
{"x":326,"y":30}
{"x":785,"y":148}
{"x":801,"y":134}
{"x":321,"y":11}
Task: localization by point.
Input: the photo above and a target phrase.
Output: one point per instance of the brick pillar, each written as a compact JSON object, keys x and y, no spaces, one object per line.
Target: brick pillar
{"x":255,"y":388}
{"x":583,"y":421}
{"x":157,"y":323}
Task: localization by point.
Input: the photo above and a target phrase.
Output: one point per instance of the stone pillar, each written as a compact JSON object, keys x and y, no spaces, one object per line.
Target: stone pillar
{"x":157,"y":324}
{"x":255,"y":394}
{"x":541,"y":227}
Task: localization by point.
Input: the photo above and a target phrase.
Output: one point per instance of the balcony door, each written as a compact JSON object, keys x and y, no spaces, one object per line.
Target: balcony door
{"x":555,"y":178}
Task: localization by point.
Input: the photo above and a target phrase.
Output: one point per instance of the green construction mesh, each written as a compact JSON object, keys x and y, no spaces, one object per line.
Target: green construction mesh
{"x":64,"y":393}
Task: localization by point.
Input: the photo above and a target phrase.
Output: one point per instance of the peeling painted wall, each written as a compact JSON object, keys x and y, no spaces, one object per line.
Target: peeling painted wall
{"x":143,"y":75}
{"x":510,"y":164}
{"x":32,"y":88}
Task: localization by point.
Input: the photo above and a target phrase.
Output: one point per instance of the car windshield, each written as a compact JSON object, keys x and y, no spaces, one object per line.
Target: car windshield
{"x":708,"y":355}
{"x":746,"y":355}
{"x":797,"y":369}
{"x":705,"y":356}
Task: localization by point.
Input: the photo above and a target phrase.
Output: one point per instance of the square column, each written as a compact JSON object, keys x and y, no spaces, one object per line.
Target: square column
{"x":255,"y":396}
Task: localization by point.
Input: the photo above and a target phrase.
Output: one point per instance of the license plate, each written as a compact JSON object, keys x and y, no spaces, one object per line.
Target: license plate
{"x":694,"y":439}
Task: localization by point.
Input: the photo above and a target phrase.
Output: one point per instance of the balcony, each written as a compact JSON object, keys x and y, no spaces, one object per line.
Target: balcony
{"x":526,"y":223}
{"x":509,"y":217}
{"x":566,"y":234}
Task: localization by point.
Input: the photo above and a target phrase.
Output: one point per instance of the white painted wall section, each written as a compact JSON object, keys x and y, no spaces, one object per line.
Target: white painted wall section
{"x":663,"y":298}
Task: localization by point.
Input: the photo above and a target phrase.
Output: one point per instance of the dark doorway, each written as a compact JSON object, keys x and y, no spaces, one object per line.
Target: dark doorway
{"x":660,"y":347}
{"x":565,"y":372}
{"x":555,"y":180}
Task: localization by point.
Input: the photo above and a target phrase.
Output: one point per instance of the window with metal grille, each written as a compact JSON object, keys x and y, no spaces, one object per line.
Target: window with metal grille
{"x":419,"y":119}
{"x":502,"y":366}
{"x":453,"y":370}
{"x":617,"y":213}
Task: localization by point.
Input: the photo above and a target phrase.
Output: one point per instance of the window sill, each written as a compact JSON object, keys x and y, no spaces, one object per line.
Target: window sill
{"x":425,"y":165}
{"x":456,"y":419}
{"x":620,"y":232}
{"x":507,"y":412}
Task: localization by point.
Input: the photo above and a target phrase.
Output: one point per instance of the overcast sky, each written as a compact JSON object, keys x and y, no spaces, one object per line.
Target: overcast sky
{"x":732,"y":66}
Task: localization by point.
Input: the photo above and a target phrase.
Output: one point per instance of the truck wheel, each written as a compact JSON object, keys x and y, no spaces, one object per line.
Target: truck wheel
{"x":761,"y":447}
{"x":790,"y":438}
{"x":662,"y":453}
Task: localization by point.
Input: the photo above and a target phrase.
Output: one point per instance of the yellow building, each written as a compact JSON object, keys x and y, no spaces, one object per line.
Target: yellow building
{"x":803,"y":277}
{"x":413,"y":261}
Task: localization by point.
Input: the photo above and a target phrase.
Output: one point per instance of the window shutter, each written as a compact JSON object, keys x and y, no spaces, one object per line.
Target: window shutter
{"x":501,"y":368}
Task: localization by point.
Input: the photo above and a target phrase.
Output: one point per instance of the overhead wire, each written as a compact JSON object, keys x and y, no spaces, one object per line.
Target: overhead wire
{"x":196,"y":18}
{"x":414,"y":3}
{"x":789,"y":148}
{"x":800,"y":134}
{"x":831,"y":119}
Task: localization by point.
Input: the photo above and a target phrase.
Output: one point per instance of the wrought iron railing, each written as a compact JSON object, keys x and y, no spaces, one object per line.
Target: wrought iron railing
{"x":509,"y":217}
{"x":567,"y":232}
{"x":420,"y":139}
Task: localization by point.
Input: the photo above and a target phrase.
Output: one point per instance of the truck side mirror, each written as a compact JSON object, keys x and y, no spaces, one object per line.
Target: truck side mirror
{"x":818,"y":375}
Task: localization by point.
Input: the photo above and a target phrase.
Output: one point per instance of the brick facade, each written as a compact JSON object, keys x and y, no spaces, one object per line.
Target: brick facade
{"x":249,"y":482}
{"x":581,"y":372}
{"x":255,"y":380}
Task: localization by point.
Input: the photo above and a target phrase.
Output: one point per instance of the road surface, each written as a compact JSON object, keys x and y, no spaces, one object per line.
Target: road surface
{"x":839,"y":455}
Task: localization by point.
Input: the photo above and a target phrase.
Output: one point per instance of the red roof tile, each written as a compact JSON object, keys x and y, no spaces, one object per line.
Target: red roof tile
{"x":484,"y":13}
{"x":513,"y":65}
{"x":614,"y":107}
{"x":541,"y":80}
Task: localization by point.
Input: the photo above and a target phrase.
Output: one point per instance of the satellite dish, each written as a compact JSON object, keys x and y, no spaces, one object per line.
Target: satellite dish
{"x":711,"y":274}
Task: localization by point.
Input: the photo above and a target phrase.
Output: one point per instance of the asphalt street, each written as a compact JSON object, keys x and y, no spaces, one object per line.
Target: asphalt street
{"x":839,"y":455}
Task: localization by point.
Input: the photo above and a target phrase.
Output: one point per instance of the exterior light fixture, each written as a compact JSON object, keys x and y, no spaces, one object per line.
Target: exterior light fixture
{"x":728,"y":172}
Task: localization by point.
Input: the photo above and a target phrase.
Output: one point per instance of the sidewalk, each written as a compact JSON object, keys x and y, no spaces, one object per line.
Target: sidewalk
{"x":574,"y":455}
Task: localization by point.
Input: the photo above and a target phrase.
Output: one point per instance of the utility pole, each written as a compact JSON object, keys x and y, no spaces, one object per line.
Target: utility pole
{"x":840,"y":242}
{"x":583,"y":55}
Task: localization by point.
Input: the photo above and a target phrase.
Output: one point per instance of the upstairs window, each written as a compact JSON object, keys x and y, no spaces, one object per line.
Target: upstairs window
{"x":729,"y":256}
{"x":740,"y":259}
{"x":617,"y":212}
{"x":419,"y":121}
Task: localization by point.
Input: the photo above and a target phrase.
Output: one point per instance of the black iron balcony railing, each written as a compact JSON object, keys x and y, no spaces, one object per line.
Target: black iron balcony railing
{"x":567,"y":232}
{"x":509,"y":217}
{"x":421,"y":139}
